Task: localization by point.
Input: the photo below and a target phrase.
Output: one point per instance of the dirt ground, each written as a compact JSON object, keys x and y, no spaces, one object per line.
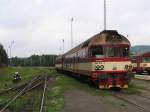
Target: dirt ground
{"x":141,"y":83}
{"x":81,"y":101}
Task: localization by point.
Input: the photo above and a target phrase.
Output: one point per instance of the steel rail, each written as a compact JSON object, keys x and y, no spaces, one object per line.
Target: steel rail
{"x":34,"y":86}
{"x":148,"y":98}
{"x":19,"y":94}
{"x":17,"y":87}
{"x":144,"y":109}
{"x":43,"y":95}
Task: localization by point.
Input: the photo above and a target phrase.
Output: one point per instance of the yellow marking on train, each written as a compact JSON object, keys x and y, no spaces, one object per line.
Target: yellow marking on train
{"x":101,"y":86}
{"x":110,"y":86}
{"x":125,"y":86}
{"x":119,"y":86}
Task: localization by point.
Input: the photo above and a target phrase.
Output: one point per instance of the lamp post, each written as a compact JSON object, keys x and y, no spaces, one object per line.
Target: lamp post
{"x":10,"y":47}
{"x":72,"y":32}
{"x":63,"y":45}
{"x":105,"y":15}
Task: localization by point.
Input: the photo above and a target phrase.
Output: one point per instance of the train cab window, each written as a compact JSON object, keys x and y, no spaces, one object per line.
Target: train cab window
{"x":97,"y":52}
{"x":125,"y":51}
{"x":117,"y":51}
{"x":112,"y":52}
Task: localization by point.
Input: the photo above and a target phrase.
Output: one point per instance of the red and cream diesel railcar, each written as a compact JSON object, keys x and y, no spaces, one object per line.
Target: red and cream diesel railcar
{"x":141,"y":63}
{"x":104,"y":58}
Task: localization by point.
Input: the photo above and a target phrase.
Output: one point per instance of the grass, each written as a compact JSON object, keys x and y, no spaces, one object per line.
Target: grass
{"x":55,"y":94}
{"x":63,"y":83}
{"x":133,"y":89}
{"x":6,"y":75}
{"x":27,"y":73}
{"x":29,"y":100}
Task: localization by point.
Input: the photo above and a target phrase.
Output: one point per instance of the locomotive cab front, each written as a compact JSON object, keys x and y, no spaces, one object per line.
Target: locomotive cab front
{"x":111,"y":65}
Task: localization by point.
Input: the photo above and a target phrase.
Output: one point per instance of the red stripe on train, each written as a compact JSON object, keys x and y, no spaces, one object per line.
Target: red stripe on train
{"x":111,"y":71}
{"x":107,"y":59}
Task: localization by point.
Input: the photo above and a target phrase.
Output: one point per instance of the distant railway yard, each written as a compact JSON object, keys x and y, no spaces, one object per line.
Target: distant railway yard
{"x":42,"y":89}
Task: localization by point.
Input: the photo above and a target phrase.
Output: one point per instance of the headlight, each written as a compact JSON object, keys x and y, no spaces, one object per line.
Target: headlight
{"x":99,"y":67}
{"x":128,"y":67}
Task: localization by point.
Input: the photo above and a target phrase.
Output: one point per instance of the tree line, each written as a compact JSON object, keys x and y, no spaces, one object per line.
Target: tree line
{"x":3,"y":56}
{"x":34,"y":60}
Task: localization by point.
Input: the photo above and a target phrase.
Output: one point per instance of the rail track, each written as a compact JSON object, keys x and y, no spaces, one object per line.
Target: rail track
{"x":139,"y":106}
{"x":43,"y":95}
{"x":144,"y":96}
{"x":23,"y":89}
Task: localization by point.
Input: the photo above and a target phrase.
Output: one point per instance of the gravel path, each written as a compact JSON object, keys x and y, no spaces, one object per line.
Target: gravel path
{"x":80,"y":101}
{"x":142,"y":83}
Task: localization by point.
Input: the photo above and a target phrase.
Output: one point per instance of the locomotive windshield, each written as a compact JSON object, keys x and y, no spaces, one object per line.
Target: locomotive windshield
{"x":109,"y":51}
{"x":97,"y":52}
{"x":117,"y":51}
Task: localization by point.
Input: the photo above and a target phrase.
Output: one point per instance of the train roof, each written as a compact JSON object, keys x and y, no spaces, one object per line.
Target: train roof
{"x":106,"y":37}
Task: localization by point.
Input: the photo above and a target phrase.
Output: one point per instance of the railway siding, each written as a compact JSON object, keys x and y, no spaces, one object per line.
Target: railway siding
{"x":143,"y":77}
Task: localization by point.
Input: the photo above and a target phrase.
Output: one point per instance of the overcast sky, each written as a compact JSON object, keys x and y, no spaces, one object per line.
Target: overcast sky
{"x":38,"y":26}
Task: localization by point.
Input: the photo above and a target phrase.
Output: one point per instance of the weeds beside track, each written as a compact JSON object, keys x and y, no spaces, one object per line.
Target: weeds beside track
{"x":35,"y":82}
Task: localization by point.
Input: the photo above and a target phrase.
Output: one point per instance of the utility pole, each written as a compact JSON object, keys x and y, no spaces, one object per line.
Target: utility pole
{"x":60,"y":50}
{"x":72,"y":32}
{"x":105,"y":15}
{"x":10,"y":47}
{"x":63,"y":45}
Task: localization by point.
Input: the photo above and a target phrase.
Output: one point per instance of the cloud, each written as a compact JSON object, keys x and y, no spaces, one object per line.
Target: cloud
{"x":38,"y":26}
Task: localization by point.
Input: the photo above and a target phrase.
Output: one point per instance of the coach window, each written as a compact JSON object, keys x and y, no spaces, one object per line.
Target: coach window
{"x":146,"y":59}
{"x":97,"y":52}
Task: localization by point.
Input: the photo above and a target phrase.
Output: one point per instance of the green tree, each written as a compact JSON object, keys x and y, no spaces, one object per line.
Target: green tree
{"x":35,"y":60}
{"x":3,"y":56}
